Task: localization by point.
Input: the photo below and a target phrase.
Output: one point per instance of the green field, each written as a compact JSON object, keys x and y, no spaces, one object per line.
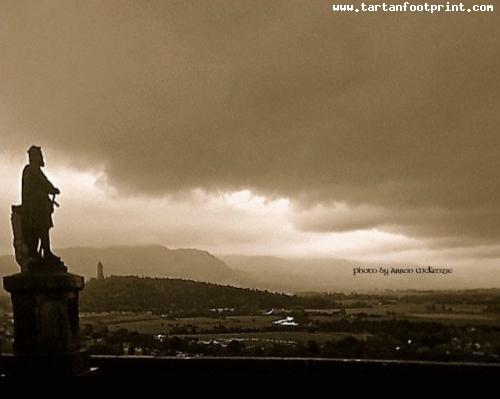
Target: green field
{"x":158,"y":325}
{"x":454,"y":314}
{"x":153,"y":324}
{"x":458,"y":318}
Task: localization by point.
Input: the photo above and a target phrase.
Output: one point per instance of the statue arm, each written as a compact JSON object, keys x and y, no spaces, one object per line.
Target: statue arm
{"x":47,"y":185}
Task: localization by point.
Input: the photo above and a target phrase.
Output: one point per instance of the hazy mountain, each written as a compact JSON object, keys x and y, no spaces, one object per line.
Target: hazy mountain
{"x":292,"y":275}
{"x":152,"y":261}
{"x":262,"y":272}
{"x":331,"y":274}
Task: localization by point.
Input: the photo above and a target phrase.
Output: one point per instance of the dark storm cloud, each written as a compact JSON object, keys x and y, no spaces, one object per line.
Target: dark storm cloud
{"x":442,"y":227}
{"x":392,"y":113}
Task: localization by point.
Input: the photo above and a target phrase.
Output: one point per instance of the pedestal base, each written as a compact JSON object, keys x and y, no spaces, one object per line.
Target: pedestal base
{"x":57,"y":365}
{"x":46,"y":324}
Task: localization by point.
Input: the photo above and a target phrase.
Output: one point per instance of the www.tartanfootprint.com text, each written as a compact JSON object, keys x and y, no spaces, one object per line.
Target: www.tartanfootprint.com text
{"x":409,"y":7}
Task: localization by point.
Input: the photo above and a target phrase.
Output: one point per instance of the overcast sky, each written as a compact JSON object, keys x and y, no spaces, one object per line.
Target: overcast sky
{"x":257,"y":126}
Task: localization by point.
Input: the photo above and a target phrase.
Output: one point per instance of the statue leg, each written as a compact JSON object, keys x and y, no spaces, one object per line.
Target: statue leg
{"x":45,"y":243}
{"x":32,"y":242}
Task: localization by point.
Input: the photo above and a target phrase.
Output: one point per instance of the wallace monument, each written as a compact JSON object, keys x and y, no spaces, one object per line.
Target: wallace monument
{"x":44,"y":295}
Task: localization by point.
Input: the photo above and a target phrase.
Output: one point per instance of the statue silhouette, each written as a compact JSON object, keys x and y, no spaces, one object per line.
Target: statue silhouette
{"x":44,"y":295}
{"x":38,"y":200}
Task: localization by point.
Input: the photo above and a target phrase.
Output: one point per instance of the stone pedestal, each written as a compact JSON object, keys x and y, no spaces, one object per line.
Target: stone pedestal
{"x":46,"y":323}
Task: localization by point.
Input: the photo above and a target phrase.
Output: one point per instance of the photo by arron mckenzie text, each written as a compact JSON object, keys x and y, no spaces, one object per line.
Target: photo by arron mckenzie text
{"x":386,"y":271}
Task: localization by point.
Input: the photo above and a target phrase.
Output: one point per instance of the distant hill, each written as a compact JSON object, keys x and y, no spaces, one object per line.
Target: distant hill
{"x":333,"y":274}
{"x":261,"y":272}
{"x":152,"y":261}
{"x":164,"y":295}
{"x":293,"y":275}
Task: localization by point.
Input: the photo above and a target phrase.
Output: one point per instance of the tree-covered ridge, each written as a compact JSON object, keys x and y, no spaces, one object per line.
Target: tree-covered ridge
{"x":161,"y":295}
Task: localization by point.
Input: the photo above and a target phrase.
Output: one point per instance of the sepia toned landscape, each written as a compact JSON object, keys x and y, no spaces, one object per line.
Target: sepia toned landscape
{"x":181,"y":317}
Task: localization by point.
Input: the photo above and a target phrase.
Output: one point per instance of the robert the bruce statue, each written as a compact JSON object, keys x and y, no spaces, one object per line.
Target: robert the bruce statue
{"x":32,"y":220}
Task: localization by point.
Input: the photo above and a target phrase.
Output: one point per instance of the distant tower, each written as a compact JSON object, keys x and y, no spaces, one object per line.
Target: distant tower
{"x":100,"y":271}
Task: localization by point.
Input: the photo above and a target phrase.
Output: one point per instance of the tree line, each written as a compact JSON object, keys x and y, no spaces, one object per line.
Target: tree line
{"x":164,"y":295}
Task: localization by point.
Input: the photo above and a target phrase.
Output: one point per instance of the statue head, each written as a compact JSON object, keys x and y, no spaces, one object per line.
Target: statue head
{"x":35,"y":156}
